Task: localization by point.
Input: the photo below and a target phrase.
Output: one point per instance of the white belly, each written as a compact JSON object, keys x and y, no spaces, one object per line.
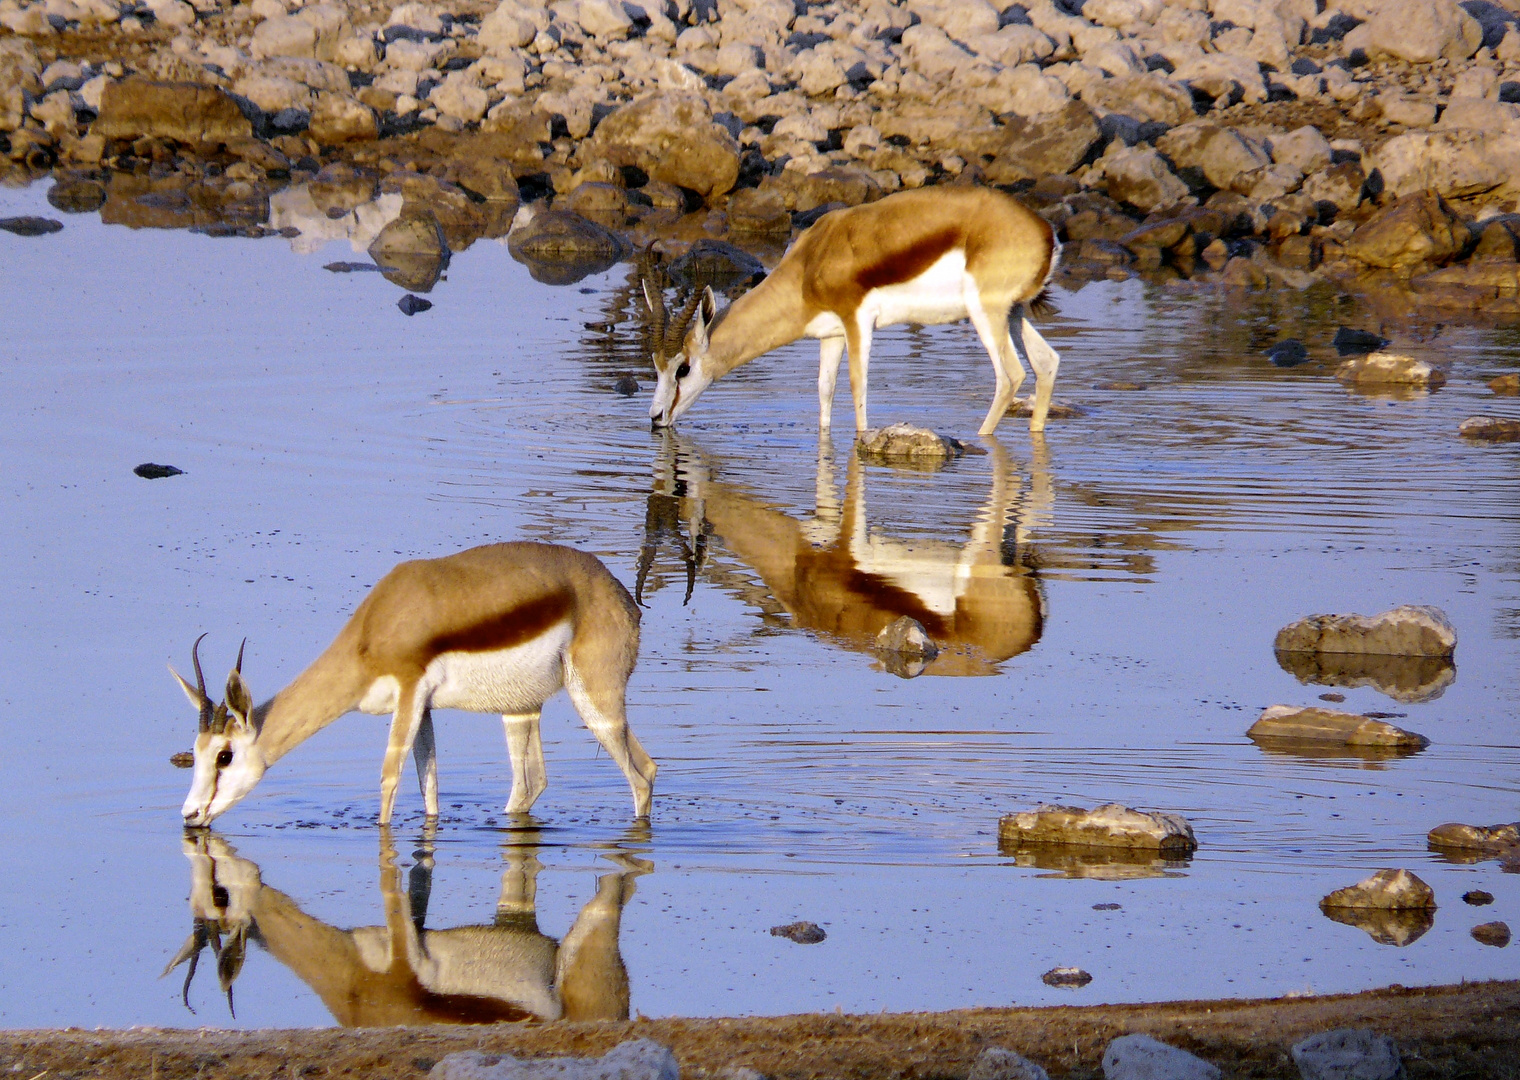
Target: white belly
{"x":516,"y":680}
{"x":938,"y":295}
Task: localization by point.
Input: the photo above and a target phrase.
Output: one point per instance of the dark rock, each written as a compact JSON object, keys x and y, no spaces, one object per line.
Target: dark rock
{"x":1072,"y":977}
{"x":753,"y":212}
{"x":905,"y":647}
{"x":1158,"y":234}
{"x":1487,"y":840}
{"x":626,"y":386}
{"x":30,"y":226}
{"x":1107,"y":907}
{"x":349,"y":267}
{"x":803,"y":933}
{"x":715,"y":263}
{"x":411,"y":305}
{"x":802,"y":219}
{"x":1349,"y":342}
{"x":561,"y":248}
{"x":1289,"y":352}
{"x":1491,"y":933}
{"x":150,"y":471}
{"x":1477,"y":897}
{"x":1104,"y":252}
{"x":77,"y":196}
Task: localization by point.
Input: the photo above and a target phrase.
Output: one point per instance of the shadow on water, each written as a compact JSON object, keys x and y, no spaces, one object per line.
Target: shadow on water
{"x":835,"y":575}
{"x":402,"y":973}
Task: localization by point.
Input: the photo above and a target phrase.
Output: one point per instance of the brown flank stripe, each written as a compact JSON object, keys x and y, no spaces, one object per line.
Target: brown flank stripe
{"x":908,"y":263}
{"x":509,"y":628}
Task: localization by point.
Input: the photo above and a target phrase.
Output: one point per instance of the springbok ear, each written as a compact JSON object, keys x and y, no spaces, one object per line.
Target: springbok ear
{"x":651,"y":300}
{"x":709,"y":310}
{"x":239,"y":700}
{"x":197,"y":699}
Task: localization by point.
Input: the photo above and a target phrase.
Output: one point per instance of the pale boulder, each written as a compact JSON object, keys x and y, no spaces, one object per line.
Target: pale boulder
{"x":1305,"y":149}
{"x":1139,"y":176}
{"x":340,"y":118}
{"x":672,"y":137}
{"x":1110,"y":825}
{"x":273,"y":93}
{"x":604,"y":20}
{"x":1223,"y":76}
{"x":1420,"y":31}
{"x":1016,"y":43}
{"x":505,"y":29}
{"x":460,"y":96}
{"x":1453,"y":164}
{"x":1028,"y":92}
{"x":1386,"y":889}
{"x":961,"y":19}
{"x":1149,"y":97}
{"x":283,"y":35}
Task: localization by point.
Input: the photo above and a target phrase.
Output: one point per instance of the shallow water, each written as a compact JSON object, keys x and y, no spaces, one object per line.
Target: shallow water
{"x":1134,"y":567}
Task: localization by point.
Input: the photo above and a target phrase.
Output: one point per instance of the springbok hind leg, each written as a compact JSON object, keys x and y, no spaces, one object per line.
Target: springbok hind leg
{"x":598,"y":698}
{"x":994,"y":335}
{"x":1045,"y":361}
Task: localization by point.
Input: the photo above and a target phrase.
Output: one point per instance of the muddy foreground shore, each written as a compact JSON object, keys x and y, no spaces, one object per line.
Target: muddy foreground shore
{"x":1471,"y":1030}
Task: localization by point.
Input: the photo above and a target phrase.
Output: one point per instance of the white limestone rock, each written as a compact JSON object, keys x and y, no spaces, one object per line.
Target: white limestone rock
{"x":996,"y":1063}
{"x":1392,"y":890}
{"x":637,"y":1059}
{"x":1389,"y":369}
{"x":1140,"y":1057}
{"x":1332,"y":726}
{"x":1407,"y":630}
{"x":1109,"y":825}
{"x":1348,"y":1054}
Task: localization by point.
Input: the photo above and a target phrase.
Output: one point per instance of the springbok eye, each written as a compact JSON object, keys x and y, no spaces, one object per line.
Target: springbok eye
{"x":683,"y":371}
{"x":223,"y":759}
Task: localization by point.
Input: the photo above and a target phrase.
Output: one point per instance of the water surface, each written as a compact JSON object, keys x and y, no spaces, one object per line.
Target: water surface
{"x":1112,"y":594}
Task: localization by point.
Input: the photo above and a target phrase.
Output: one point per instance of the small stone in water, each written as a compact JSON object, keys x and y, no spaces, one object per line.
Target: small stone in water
{"x":1118,"y":384}
{"x":803,"y":933}
{"x":1106,"y":907}
{"x":1505,"y":384}
{"x":1491,"y":933}
{"x":1477,"y":897}
{"x":627,"y":386}
{"x":1490,"y":429}
{"x":350,"y":267}
{"x":410,"y":304}
{"x":1289,"y":352}
{"x":1350,"y":342}
{"x":30,"y":226}
{"x":185,"y":759}
{"x":1066,"y":976}
{"x":150,"y":471}
{"x":1332,"y":697}
{"x":1387,"y":889}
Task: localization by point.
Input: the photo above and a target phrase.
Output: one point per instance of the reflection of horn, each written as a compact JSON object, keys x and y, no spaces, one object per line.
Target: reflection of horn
{"x":200,"y":684}
{"x":662,"y":517}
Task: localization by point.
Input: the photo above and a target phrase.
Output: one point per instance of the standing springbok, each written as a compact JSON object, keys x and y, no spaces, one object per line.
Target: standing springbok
{"x":934,"y":255}
{"x":499,"y":628}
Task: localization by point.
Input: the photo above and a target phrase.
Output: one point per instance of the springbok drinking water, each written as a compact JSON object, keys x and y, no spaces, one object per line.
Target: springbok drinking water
{"x":499,"y":628}
{"x":934,"y":255}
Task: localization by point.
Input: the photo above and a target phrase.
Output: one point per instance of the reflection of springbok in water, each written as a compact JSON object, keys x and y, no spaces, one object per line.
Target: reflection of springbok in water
{"x":403,"y":973}
{"x":835,"y":575}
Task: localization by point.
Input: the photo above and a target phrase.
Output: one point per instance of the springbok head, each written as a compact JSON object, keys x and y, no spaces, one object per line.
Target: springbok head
{"x":679,"y":349}
{"x":227,"y":764}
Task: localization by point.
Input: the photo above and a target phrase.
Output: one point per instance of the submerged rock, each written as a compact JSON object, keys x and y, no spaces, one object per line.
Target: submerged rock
{"x":1347,"y":1054}
{"x":412,"y":251}
{"x":1072,"y":977}
{"x":904,"y":442}
{"x":1489,"y":840}
{"x":996,"y":1063}
{"x":803,"y":933}
{"x":715,"y":263}
{"x":149,"y":470}
{"x":1491,"y":933}
{"x":1505,"y":384}
{"x":1356,"y":342}
{"x":1490,"y":429}
{"x":30,"y":226}
{"x":1140,"y":1057}
{"x":1391,"y":368}
{"x":905,"y":647}
{"x":1290,"y":352}
{"x":637,"y":1059}
{"x":1477,"y":897}
{"x":77,"y":196}
{"x":410,"y":305}
{"x":1388,"y":890}
{"x":1332,"y":726}
{"x":1109,"y":825}
{"x":1410,"y":630}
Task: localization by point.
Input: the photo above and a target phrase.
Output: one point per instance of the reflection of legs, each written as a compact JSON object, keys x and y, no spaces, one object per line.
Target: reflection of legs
{"x":598,"y":697}
{"x":411,"y":706}
{"x":425,"y":751}
{"x":830,"y":352}
{"x":517,"y":903}
{"x":526,"y":748}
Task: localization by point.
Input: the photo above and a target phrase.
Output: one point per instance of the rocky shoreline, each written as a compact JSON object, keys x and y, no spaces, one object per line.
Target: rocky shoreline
{"x":1371,"y":144}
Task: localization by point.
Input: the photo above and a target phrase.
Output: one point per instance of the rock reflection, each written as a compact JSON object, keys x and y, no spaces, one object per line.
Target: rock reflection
{"x":1386,"y":926}
{"x":1369,"y":757}
{"x":405,"y":974}
{"x":835,"y":575}
{"x":320,"y":223}
{"x":1097,"y":864}
{"x":1409,"y":679}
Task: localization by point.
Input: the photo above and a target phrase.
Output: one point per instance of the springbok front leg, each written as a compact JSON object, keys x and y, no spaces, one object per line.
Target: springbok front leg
{"x":830,"y":352}
{"x":411,"y":706}
{"x":860,"y":368}
{"x":425,"y":753}
{"x":1045,"y":360}
{"x":525,"y":746}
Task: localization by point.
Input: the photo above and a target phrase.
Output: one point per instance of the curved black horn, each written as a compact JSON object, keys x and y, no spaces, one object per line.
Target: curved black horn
{"x":200,"y":683}
{"x":675,"y":334}
{"x":238,"y":667}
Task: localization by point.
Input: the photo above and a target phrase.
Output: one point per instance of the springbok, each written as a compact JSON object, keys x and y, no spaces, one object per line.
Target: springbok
{"x":403,"y":973}
{"x":933,"y":255}
{"x":835,"y":575}
{"x":499,"y":628}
